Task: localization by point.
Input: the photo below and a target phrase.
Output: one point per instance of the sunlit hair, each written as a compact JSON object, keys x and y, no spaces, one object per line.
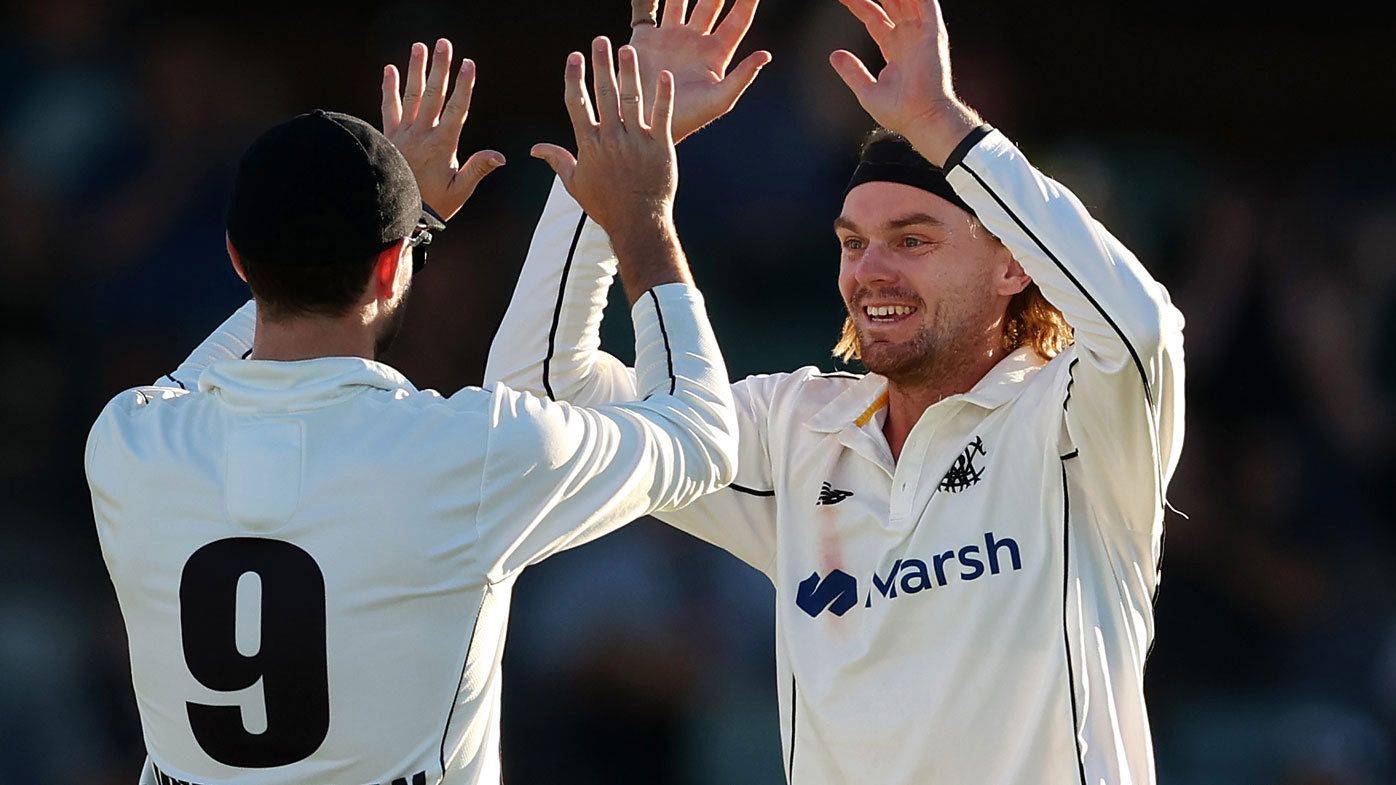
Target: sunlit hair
{"x":1029,"y":321}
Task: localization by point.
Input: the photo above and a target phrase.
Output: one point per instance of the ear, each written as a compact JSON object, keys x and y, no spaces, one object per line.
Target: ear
{"x":384,"y":285}
{"x":1013,"y":279}
{"x":233,"y":256}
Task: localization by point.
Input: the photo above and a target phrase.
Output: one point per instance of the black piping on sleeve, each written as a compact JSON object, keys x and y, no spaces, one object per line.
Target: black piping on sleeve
{"x":1138,"y":363}
{"x":750,"y":491}
{"x":557,"y":309}
{"x":176,"y":381}
{"x":668,"y":353}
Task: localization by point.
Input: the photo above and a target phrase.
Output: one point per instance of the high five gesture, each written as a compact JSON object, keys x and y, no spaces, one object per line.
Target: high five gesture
{"x":425,"y":126}
{"x":697,"y":51}
{"x":914,"y":93}
{"x":625,"y":173}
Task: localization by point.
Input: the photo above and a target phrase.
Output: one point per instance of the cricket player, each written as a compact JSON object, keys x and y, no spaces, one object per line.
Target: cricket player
{"x":964,"y":541}
{"x":313,"y":558}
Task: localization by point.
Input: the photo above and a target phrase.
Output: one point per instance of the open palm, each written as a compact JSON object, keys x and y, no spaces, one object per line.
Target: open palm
{"x":697,"y":51}
{"x":916,"y":80}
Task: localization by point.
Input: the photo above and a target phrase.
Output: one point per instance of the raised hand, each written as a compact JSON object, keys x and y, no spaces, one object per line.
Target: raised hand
{"x":625,"y":173}
{"x":426,"y":126}
{"x":913,"y":95}
{"x":697,"y":52}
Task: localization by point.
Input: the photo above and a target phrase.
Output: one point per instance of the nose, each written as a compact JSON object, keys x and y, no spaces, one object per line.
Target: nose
{"x":874,"y":266}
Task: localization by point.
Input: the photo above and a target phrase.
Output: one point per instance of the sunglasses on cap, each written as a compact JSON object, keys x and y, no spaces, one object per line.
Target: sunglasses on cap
{"x":421,"y":237}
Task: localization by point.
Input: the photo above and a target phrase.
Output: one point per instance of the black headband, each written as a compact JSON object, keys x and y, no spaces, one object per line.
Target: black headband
{"x":888,"y":158}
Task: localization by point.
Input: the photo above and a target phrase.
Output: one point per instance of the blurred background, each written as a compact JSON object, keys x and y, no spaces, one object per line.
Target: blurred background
{"x":1244,"y":154}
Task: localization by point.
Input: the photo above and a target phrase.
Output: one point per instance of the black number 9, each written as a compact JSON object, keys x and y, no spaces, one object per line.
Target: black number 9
{"x":290,"y":662}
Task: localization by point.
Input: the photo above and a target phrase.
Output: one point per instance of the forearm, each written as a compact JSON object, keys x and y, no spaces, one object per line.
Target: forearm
{"x":1121,"y":316}
{"x":549,"y":342}
{"x":649,"y":255}
{"x":230,"y":341}
{"x":941,"y":128}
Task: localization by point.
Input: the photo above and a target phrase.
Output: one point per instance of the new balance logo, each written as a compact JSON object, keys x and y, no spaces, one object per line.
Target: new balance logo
{"x":828,"y":494}
{"x":838,"y":592}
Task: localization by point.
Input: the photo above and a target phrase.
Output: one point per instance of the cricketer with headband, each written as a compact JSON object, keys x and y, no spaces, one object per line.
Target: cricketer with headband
{"x":965,"y":541}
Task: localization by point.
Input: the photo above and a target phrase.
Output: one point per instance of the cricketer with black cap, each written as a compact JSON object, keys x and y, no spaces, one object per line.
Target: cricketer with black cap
{"x":313,"y":558}
{"x":964,"y":541}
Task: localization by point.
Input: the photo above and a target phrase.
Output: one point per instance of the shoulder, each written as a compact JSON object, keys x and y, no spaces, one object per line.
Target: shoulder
{"x":127,"y":412}
{"x":806,"y":389}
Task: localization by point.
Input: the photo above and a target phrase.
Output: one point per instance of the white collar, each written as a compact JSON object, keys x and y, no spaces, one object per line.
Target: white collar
{"x":857,"y":405}
{"x":299,"y":384}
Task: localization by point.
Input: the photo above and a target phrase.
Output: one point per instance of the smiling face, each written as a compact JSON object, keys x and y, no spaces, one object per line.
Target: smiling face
{"x":925,"y":285}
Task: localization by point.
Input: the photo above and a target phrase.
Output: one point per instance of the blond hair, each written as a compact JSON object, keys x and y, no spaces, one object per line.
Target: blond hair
{"x":1029,"y":321}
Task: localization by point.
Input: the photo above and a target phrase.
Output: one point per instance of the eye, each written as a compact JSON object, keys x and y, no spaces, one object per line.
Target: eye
{"x":852,"y":244}
{"x":912,"y":242}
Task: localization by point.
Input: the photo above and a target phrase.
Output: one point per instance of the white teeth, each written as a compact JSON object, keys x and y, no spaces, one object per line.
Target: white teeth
{"x":887,"y":310}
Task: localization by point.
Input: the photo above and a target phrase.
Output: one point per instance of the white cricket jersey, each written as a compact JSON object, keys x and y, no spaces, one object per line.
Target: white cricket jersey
{"x":314,"y":559}
{"x":980,"y":610}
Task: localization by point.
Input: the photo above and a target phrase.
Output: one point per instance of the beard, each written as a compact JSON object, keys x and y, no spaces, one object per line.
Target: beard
{"x":392,"y":325}
{"x":942,"y":343}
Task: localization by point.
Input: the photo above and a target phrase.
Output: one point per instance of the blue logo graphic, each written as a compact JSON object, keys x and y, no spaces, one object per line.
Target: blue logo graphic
{"x":838,"y":592}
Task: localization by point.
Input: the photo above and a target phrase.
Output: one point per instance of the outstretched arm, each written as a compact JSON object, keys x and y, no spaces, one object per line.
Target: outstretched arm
{"x":1124,"y":403}
{"x":550,"y":340}
{"x":558,"y":475}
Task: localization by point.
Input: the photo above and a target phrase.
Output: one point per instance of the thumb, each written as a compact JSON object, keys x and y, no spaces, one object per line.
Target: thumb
{"x":473,"y":171}
{"x":560,"y":159}
{"x":744,"y":74}
{"x":854,"y":74}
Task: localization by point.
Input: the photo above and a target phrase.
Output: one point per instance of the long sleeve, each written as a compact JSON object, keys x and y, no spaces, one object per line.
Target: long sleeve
{"x":569,"y":474}
{"x":231,"y":340}
{"x":549,"y":345}
{"x":1124,"y":398}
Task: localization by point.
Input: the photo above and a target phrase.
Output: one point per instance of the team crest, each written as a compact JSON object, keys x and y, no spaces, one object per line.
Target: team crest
{"x":964,"y":473}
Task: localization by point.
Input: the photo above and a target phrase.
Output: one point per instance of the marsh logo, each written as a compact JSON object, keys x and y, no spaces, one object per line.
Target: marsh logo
{"x":838,"y":591}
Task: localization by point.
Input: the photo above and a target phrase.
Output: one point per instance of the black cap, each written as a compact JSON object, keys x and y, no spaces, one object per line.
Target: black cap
{"x":888,"y":157}
{"x":321,"y":188}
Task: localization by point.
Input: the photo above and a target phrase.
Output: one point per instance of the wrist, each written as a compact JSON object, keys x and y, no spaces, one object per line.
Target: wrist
{"x":936,"y":132}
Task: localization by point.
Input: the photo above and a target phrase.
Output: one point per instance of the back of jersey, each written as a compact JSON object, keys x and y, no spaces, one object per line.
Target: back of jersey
{"x":298,"y":578}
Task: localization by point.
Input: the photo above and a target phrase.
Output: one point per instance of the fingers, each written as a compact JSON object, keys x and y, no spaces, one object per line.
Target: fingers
{"x":662,"y":121}
{"x":416,"y":83}
{"x":644,"y":12}
{"x":873,"y":17}
{"x":741,"y":77}
{"x":603,"y":77}
{"x":392,"y":101}
{"x":631,"y":95}
{"x":575,"y":96}
{"x":734,"y":28}
{"x":903,"y":10}
{"x":705,"y":15}
{"x":854,"y":74}
{"x":561,"y":160}
{"x":458,"y":107}
{"x":474,"y":170}
{"x":434,"y":95}
{"x":674,"y":12}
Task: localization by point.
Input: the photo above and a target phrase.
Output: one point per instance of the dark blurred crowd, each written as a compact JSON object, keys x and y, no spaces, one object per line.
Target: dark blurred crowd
{"x":1245,"y":158}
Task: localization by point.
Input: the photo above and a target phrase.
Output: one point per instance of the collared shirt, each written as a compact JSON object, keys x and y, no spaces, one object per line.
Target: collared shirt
{"x":314,"y":559}
{"x":979,"y":610}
